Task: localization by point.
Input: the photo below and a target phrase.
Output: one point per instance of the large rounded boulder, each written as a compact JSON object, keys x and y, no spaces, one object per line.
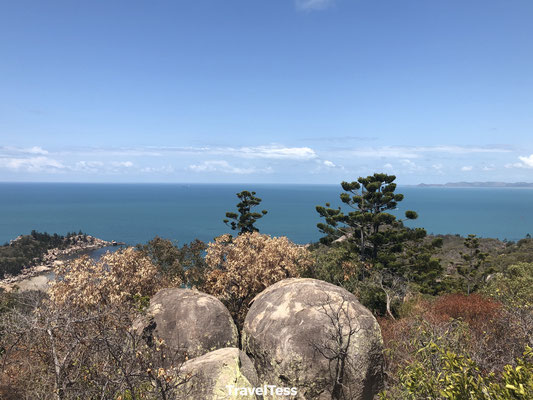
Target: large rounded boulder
{"x":222,"y":374}
{"x":316,"y":337}
{"x":189,"y":322}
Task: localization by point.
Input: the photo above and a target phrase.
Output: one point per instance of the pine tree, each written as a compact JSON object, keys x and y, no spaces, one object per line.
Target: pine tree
{"x":369,"y":227}
{"x":245,"y":219}
{"x":398,"y":256}
{"x":473,"y":259}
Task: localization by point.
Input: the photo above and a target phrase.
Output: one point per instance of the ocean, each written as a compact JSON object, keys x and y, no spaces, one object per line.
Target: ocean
{"x":135,"y":213}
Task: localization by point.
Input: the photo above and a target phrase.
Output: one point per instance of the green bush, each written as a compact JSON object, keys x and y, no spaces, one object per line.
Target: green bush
{"x":439,"y":370}
{"x":514,"y":287}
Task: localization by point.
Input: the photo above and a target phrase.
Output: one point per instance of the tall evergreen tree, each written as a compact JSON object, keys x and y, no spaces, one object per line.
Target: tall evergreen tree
{"x":245,"y":219}
{"x":398,"y":256}
{"x":473,"y":259}
{"x":369,"y":227}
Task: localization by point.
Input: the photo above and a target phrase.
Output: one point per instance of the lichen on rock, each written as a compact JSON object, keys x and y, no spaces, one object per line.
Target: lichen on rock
{"x":189,"y":322}
{"x":221,"y":374}
{"x":317,"y":337}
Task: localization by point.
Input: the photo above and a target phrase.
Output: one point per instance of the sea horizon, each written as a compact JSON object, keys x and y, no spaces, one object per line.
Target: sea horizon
{"x":130,"y":213}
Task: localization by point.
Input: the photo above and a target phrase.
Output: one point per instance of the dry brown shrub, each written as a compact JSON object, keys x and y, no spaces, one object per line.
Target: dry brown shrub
{"x":476,"y":310}
{"x":115,"y":279}
{"x":242,"y":267}
{"x":466,"y":324}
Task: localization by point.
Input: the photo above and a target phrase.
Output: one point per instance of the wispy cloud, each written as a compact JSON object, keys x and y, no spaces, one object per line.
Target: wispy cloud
{"x":88,"y":166}
{"x":22,"y":150}
{"x":467,"y":168}
{"x":341,"y":139}
{"x":266,"y":151}
{"x":418,"y":151}
{"x":165,"y":169}
{"x":32,"y":164}
{"x":275,"y":152}
{"x":114,"y":167}
{"x":411,"y":166}
{"x":126,"y":164}
{"x":224,"y":167}
{"x":312,"y":5}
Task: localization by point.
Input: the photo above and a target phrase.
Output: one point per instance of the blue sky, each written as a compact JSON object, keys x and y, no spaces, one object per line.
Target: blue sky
{"x":278,"y":91}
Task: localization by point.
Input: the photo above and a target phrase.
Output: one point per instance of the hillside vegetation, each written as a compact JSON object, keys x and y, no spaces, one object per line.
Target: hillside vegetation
{"x":28,"y":250}
{"x":456,"y":313}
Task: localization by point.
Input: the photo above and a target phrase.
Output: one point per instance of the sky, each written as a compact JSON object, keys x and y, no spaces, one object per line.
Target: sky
{"x":277,"y":91}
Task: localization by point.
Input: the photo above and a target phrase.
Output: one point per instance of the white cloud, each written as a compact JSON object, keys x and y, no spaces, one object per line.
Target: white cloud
{"x":32,"y":164}
{"x":275,"y":152}
{"x":388,"y":166}
{"x":418,"y":151}
{"x":125,"y":164}
{"x":266,"y":152}
{"x":23,"y":150}
{"x":410,"y":166}
{"x":34,"y":150}
{"x":467,"y":168}
{"x":167,"y":169}
{"x":88,"y":166}
{"x":328,"y":163}
{"x":525,"y":162}
{"x":408,"y":163}
{"x":310,"y":5}
{"x":224,"y":167}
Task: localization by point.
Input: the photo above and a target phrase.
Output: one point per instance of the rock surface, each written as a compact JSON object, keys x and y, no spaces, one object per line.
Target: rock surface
{"x":190,"y":322}
{"x":217,"y":374}
{"x":291,"y":333}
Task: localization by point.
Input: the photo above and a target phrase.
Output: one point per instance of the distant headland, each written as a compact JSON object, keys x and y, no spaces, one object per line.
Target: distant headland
{"x":478,"y":185}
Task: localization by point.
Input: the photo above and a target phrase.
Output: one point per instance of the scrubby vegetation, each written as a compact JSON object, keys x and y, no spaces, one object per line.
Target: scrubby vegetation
{"x":456,"y":313}
{"x":28,"y":250}
{"x":240,"y":268}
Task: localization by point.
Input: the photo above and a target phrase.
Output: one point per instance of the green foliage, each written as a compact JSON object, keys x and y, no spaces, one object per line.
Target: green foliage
{"x":245,"y":219}
{"x":368,"y":226}
{"x":514,"y":287}
{"x":337,"y":265}
{"x":417,"y":263}
{"x":165,"y":254}
{"x":28,"y":250}
{"x":438,"y":370}
{"x":185,"y":264}
{"x":473,"y":261}
{"x":416,"y":271}
{"x":399,"y":259}
{"x":521,"y":251}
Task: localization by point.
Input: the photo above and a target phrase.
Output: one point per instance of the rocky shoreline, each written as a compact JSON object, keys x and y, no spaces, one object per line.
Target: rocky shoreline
{"x":55,"y":257}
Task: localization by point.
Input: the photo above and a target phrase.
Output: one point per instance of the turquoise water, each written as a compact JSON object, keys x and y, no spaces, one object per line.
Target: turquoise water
{"x":135,"y":213}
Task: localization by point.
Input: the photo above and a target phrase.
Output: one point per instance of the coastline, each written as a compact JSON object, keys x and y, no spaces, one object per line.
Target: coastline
{"x":55,"y":257}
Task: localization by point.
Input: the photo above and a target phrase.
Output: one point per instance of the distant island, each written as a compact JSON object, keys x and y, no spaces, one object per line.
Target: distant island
{"x":478,"y":185}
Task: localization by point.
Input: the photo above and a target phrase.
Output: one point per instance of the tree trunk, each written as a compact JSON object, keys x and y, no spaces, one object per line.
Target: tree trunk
{"x":57,"y":368}
{"x":389,"y":312}
{"x":387,"y":298}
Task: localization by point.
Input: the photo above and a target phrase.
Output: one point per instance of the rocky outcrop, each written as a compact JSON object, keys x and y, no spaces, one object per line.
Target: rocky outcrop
{"x":191,"y":323}
{"x":42,"y":271}
{"x":221,"y":374}
{"x":308,"y":334}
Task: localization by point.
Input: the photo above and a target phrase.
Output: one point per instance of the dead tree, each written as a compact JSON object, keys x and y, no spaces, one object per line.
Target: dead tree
{"x":340,"y":331}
